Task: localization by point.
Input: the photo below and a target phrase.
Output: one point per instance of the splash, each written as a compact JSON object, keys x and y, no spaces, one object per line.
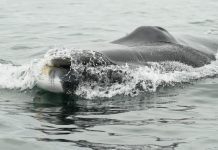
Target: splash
{"x":143,"y":79}
{"x":110,"y":80}
{"x":98,"y":79}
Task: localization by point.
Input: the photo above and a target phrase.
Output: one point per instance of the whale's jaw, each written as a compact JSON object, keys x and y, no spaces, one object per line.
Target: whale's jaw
{"x":50,"y":79}
{"x":52,"y":75}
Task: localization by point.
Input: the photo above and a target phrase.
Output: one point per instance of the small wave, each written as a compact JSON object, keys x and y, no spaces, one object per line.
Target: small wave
{"x":212,"y":32}
{"x":16,"y":77}
{"x":202,"y":22}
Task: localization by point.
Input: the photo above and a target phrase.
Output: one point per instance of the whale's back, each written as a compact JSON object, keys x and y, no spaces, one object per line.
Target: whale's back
{"x":158,"y":52}
{"x":145,"y":35}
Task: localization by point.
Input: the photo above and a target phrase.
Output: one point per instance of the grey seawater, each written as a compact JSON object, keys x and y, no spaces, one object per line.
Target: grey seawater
{"x":181,"y":117}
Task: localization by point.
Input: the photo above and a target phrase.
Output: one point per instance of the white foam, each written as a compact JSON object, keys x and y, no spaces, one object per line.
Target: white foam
{"x":24,"y":76}
{"x":16,"y":77}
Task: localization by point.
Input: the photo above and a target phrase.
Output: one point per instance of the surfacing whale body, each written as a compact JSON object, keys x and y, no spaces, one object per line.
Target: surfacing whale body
{"x":145,"y":44}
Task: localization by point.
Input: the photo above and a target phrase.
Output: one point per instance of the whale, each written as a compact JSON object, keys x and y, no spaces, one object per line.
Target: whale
{"x":145,"y":44}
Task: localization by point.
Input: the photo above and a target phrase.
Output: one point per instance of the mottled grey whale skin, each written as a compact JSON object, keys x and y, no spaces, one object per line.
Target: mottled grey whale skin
{"x":146,"y":35}
{"x":155,"y":44}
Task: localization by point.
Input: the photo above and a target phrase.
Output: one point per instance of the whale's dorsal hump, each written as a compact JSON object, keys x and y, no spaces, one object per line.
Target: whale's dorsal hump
{"x":145,"y":35}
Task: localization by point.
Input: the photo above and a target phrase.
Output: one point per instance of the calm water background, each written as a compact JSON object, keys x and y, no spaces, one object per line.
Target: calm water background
{"x":184,"y":117}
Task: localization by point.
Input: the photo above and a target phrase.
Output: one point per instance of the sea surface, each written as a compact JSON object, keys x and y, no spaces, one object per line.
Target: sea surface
{"x":180,"y":116}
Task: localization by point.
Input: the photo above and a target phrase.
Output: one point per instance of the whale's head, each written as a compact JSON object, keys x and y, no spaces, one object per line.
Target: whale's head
{"x":62,"y":74}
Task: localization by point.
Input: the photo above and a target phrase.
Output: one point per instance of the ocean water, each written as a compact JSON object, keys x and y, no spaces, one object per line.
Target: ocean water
{"x":178,"y":110}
